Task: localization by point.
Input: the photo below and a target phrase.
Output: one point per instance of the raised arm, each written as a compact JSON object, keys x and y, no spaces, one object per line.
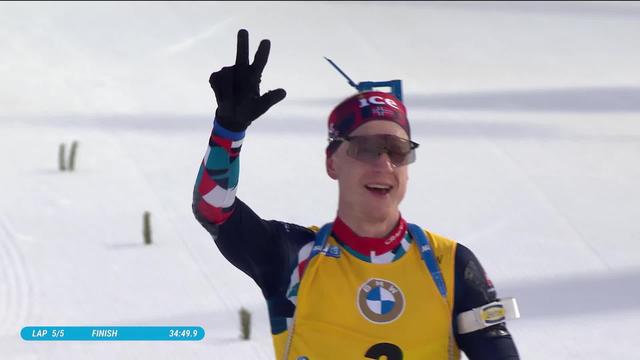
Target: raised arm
{"x":250,"y":243}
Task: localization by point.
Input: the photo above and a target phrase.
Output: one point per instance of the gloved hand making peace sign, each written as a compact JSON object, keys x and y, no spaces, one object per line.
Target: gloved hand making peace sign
{"x":237,"y":87}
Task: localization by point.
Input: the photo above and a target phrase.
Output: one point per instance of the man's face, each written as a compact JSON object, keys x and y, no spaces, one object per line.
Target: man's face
{"x":372,"y":190}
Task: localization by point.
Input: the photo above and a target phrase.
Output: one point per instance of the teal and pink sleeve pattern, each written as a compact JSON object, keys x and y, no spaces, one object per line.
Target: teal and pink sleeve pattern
{"x":218,"y":175}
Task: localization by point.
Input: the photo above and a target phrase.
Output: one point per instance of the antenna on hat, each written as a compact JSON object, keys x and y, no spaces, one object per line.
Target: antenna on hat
{"x":395,"y":85}
{"x":351,"y":82}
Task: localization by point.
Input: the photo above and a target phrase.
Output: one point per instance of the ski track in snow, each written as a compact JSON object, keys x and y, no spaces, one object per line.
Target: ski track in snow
{"x":15,"y":281}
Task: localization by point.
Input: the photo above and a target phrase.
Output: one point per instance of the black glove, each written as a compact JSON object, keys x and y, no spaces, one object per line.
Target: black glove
{"x":237,"y":87}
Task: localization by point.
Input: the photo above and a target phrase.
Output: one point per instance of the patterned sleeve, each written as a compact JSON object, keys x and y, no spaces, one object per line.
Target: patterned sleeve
{"x":215,"y":188}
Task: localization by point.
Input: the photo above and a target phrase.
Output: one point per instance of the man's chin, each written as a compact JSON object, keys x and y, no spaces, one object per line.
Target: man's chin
{"x":380,"y":214}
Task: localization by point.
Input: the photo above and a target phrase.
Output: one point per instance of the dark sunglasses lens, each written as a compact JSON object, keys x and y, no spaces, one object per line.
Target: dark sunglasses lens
{"x":365,"y":148}
{"x":369,"y":149}
{"x":400,"y":151}
{"x":403,"y":158}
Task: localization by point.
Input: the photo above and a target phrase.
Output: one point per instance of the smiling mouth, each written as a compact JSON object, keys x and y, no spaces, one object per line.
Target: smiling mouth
{"x":379,"y":189}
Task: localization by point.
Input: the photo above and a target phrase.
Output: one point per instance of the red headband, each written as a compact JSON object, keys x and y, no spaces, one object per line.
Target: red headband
{"x":362,"y":107}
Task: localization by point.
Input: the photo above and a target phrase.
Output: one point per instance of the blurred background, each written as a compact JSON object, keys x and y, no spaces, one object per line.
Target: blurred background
{"x":527,"y":114}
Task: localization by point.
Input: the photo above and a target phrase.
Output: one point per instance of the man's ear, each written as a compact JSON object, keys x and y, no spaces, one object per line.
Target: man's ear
{"x":331,"y":171}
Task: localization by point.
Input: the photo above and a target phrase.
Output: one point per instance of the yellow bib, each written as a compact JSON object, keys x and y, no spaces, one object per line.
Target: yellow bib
{"x":352,"y":309}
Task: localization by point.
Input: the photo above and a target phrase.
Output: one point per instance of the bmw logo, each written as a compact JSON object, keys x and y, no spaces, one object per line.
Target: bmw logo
{"x":380,"y":301}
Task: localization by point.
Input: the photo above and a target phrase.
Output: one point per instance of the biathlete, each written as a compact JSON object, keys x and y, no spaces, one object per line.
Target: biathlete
{"x":369,"y":284}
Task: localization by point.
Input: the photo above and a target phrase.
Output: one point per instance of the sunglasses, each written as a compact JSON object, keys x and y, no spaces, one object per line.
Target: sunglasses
{"x":369,"y":148}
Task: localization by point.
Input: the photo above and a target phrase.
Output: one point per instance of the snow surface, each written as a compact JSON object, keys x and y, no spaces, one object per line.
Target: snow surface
{"x":527,"y":115}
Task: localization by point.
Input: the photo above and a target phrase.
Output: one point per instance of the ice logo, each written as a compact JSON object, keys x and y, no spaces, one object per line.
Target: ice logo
{"x":380,"y":301}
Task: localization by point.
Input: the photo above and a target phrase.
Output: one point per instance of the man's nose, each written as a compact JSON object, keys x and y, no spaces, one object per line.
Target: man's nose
{"x":383,"y":162}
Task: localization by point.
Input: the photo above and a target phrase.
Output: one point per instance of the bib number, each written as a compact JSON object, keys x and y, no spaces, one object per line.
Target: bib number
{"x":377,"y":351}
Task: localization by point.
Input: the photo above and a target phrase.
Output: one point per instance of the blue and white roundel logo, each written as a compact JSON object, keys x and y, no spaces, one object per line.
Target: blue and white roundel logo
{"x":380,"y":301}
